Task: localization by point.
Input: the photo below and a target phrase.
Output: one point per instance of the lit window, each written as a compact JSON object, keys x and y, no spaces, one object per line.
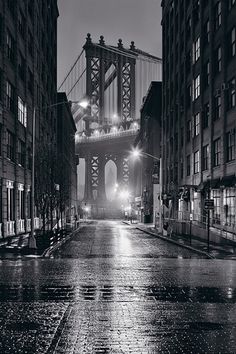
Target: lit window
{"x":196,"y":88}
{"x":218,"y":60}
{"x":229,"y":202}
{"x":232,"y":94}
{"x":215,"y":194}
{"x":233,"y":42}
{"x":22,"y":112}
{"x":196,"y":50}
{"x":196,"y":122}
{"x":196,"y":162}
{"x":218,"y":15}
{"x":10,"y":201}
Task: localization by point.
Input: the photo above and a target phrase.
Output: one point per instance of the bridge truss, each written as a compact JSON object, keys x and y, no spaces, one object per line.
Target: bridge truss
{"x":113,"y":80}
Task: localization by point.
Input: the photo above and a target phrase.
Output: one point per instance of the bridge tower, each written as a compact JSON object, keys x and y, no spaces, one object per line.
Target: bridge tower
{"x":104,"y":64}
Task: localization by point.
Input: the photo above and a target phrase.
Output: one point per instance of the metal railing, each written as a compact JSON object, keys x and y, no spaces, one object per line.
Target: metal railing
{"x":37,"y":223}
{"x":10,"y":228}
{"x":20,"y":225}
{"x":28,"y":225}
{"x":200,"y":220}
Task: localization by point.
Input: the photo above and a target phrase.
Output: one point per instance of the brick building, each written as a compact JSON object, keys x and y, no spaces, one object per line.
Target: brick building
{"x":199,"y":107}
{"x":67,"y":177}
{"x":28,"y":66}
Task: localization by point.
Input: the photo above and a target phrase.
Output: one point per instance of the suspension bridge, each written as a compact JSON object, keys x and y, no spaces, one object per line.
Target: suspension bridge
{"x":107,"y":85}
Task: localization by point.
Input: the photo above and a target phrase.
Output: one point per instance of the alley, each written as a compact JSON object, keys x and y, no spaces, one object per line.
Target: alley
{"x":114,"y":289}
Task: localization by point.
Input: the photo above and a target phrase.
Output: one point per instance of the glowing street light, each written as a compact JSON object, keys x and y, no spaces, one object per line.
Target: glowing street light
{"x":136,"y":153}
{"x":84,"y":103}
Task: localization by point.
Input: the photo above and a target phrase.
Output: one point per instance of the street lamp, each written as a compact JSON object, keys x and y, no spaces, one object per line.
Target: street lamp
{"x":32,"y":240}
{"x":136,"y":153}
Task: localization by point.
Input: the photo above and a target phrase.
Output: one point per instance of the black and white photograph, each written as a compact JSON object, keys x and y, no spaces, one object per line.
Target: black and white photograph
{"x":117,"y":176}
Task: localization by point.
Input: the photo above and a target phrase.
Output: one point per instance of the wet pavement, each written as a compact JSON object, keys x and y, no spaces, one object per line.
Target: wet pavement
{"x":114,"y":289}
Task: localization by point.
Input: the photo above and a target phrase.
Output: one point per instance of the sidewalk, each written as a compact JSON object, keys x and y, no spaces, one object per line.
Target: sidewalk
{"x":195,"y":244}
{"x":14,"y":250}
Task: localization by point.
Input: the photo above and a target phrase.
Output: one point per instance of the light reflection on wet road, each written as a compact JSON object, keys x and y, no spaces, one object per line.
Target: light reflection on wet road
{"x":113,"y":289}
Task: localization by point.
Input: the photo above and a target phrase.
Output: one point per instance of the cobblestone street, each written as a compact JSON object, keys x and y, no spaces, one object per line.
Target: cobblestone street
{"x":114,"y":289}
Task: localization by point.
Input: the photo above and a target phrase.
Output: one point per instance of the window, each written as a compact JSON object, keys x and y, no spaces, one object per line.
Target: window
{"x":230,"y":146}
{"x":10,"y":47}
{"x":232,"y":94}
{"x":207,"y":32}
{"x":218,"y":62}
{"x":196,"y":88}
{"x":231,"y":3}
{"x":196,"y":162}
{"x":216,"y":213}
{"x":22,"y":111}
{"x":206,"y":115}
{"x":21,"y":23}
{"x":217,"y":114}
{"x":21,"y":202}
{"x":217,"y":15}
{"x":196,"y":123}
{"x":21,"y":67}
{"x":207,"y":73}
{"x":188,"y":95}
{"x":232,"y":42}
{"x":188,"y":165}
{"x":229,"y":202}
{"x":205,"y":157}
{"x":10,"y":146}
{"x":188,"y":132}
{"x":10,"y":92}
{"x":21,"y":153}
{"x":216,"y":152}
{"x":10,"y":201}
{"x":196,"y":50}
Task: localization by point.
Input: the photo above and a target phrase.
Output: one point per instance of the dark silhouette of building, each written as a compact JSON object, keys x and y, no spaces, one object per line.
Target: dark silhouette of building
{"x":28,"y":66}
{"x":199,"y":107}
{"x":67,"y":162}
{"x":148,"y":141}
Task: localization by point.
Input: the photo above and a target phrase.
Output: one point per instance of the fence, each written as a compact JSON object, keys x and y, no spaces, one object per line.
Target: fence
{"x":197,"y":226}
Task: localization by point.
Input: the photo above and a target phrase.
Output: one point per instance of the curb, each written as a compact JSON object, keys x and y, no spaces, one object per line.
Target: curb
{"x":174,"y":242}
{"x":47,"y":253}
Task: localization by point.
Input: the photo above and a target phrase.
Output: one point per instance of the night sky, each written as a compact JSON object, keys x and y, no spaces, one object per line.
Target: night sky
{"x":137,"y":20}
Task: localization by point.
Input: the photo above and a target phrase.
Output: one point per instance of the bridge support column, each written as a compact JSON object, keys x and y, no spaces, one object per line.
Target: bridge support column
{"x":101,"y":195}
{"x":123,"y":171}
{"x":88,"y":179}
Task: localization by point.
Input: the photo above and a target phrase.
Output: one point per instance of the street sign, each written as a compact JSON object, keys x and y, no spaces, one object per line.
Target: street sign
{"x":209,"y":204}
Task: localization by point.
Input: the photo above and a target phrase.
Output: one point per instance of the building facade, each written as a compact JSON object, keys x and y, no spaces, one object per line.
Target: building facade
{"x":67,"y":176}
{"x":148,"y":141}
{"x":28,"y":66}
{"x":199,"y":108}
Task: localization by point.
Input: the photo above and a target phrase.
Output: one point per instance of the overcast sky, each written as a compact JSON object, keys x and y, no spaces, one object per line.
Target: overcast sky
{"x":131,"y":20}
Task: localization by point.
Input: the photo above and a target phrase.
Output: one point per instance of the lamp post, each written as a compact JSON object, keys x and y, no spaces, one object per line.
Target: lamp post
{"x":32,"y":240}
{"x":138,"y":153}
